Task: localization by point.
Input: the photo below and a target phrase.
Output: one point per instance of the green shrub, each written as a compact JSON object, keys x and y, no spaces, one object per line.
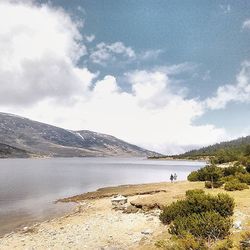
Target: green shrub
{"x":224,"y":245}
{"x":236,"y":164}
{"x":198,"y":202}
{"x":208,"y":184}
{"x":223,"y":204}
{"x":228,"y":178}
{"x":235,"y":185}
{"x":244,"y":178}
{"x":193,"y":192}
{"x":208,"y":173}
{"x":245,"y":239}
{"x":193,"y":176}
{"x":187,"y":242}
{"x":209,"y":225}
{"x":248,"y":167}
{"x":247,"y":164}
{"x":170,"y":212}
{"x":218,"y":184}
{"x":233,"y":170}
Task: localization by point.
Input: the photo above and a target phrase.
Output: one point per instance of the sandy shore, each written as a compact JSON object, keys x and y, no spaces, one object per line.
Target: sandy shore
{"x":94,"y":224}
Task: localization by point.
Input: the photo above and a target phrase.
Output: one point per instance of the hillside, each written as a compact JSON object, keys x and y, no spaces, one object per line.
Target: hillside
{"x":21,"y":135}
{"x":7,"y":151}
{"x":222,"y":152}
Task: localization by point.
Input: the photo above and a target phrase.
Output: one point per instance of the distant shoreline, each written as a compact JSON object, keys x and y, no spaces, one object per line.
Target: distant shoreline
{"x":176,"y":159}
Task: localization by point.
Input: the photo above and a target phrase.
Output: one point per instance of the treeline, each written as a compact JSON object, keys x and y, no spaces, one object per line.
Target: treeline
{"x":236,"y":150}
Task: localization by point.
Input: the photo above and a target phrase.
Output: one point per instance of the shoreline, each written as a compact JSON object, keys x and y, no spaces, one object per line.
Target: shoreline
{"x":26,"y":212}
{"x":94,"y":224}
{"x":177,"y":159}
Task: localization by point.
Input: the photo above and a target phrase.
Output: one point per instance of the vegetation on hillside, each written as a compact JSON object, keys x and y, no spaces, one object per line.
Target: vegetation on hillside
{"x":236,"y":150}
{"x":10,"y":151}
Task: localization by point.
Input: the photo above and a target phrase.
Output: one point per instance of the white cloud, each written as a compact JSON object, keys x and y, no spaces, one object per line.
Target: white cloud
{"x":238,"y":92}
{"x":226,"y":8}
{"x":206,"y":76}
{"x":150,"y":54}
{"x":108,"y":52}
{"x":90,"y":38}
{"x":105,"y":53}
{"x":80,"y":9}
{"x":246,"y":24}
{"x":176,"y":69}
{"x":151,"y":115}
{"x":39,"y":48}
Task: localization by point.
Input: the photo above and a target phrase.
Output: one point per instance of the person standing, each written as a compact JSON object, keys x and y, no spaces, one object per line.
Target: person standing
{"x":175,"y":177}
{"x":171,"y":178}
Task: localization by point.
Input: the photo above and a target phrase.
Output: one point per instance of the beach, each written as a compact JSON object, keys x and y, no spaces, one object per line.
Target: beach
{"x":95,"y":224}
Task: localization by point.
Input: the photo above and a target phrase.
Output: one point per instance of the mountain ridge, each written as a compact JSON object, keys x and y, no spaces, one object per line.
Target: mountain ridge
{"x":223,"y":152}
{"x":33,"y":138}
{"x":211,"y":149}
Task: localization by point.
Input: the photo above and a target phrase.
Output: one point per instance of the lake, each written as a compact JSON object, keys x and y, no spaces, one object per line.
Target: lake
{"x":29,"y":187}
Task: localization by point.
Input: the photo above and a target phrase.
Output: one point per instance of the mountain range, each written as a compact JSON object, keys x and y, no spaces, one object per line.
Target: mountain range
{"x":22,"y":137}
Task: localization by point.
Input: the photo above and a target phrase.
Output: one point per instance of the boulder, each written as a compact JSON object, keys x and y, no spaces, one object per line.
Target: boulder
{"x":119,"y":200}
{"x":130,"y":209}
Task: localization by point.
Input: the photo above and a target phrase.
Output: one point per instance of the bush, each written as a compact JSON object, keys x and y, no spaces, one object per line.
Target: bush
{"x":244,"y":178}
{"x":218,"y":184}
{"x":248,"y":167}
{"x":170,"y":212}
{"x":235,"y":185}
{"x":223,"y":204}
{"x":209,"y":225}
{"x":198,"y":202}
{"x":193,"y":176}
{"x":236,"y":164}
{"x":224,"y":245}
{"x":247,"y":164}
{"x":228,"y":178}
{"x":234,"y":169}
{"x":190,"y":242}
{"x":187,"y":242}
{"x":193,"y":192}
{"x":208,"y":184}
{"x":245,"y":239}
{"x":208,"y":173}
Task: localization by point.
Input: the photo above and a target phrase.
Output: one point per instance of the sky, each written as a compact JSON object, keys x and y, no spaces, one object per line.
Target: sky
{"x":167,"y":75}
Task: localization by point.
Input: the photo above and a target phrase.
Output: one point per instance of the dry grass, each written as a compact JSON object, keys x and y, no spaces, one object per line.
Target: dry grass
{"x":177,"y":191}
{"x":154,"y":195}
{"x":127,"y":190}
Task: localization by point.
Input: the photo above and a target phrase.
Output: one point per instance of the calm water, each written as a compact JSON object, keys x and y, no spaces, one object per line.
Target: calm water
{"x":28,"y":187}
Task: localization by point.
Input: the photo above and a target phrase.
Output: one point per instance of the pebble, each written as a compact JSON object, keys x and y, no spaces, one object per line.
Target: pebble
{"x":147,"y":231}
